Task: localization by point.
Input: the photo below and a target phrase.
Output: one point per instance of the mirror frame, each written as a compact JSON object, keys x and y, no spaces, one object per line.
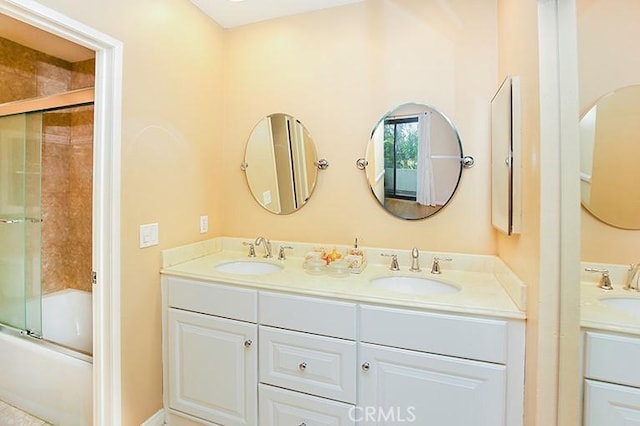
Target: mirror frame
{"x":465,"y":161}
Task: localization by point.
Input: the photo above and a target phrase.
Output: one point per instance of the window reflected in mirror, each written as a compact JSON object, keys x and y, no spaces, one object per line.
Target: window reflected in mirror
{"x":414,"y":161}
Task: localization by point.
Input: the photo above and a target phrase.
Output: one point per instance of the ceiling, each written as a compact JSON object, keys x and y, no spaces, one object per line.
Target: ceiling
{"x":233,"y":13}
{"x":42,"y":41}
{"x":227,"y":13}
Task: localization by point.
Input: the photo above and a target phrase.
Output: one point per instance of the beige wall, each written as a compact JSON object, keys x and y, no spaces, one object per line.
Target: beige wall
{"x":518,"y":38}
{"x":183,"y":139}
{"x":171,"y":134}
{"x":607,"y":33}
{"x":339,"y":71}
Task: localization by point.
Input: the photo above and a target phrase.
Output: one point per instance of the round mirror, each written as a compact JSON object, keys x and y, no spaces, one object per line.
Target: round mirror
{"x":280,"y":164}
{"x":610,"y":146}
{"x":414,"y":161}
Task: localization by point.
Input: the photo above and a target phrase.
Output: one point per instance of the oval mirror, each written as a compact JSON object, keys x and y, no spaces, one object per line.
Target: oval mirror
{"x":414,"y":161}
{"x":610,"y":146}
{"x":280,"y":163}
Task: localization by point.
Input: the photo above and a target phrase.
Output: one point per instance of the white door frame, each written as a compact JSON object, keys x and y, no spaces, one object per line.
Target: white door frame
{"x":106,"y":197}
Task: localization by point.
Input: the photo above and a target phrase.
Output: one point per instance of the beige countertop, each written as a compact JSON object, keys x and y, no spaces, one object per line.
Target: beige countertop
{"x":481,"y":292}
{"x":595,"y":314}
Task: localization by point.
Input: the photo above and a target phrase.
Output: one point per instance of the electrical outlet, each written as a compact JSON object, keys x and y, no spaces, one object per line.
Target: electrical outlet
{"x":204,"y":224}
{"x":149,"y":235}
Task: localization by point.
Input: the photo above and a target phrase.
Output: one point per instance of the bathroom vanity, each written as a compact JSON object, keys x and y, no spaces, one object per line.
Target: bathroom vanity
{"x":291,"y":348}
{"x":611,"y":349}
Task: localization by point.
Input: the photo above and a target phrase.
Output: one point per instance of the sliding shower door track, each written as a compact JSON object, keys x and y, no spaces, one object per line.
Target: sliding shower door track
{"x":47,"y":103}
{"x":37,"y":339}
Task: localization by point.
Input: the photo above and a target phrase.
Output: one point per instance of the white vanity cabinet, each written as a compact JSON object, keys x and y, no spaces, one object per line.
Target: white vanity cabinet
{"x":211,"y":354}
{"x":612,"y":379}
{"x":240,"y":356}
{"x":427,"y":368}
{"x":307,"y":361}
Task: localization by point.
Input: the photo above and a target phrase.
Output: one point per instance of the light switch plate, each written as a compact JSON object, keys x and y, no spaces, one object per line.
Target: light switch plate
{"x":204,"y":224}
{"x":266,"y":198}
{"x":149,"y":235}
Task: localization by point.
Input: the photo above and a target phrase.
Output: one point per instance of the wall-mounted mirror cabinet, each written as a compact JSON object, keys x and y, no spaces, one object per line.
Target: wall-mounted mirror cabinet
{"x":610,"y":148}
{"x":281,"y":164}
{"x":414,"y":161}
{"x":506,"y":211}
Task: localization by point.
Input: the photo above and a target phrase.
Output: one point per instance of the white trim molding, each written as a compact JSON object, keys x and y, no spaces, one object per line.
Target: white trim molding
{"x":158,"y":419}
{"x":106,"y":196}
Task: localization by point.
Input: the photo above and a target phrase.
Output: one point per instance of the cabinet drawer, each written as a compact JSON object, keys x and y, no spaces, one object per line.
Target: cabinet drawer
{"x":214,"y":299}
{"x":308,"y":363}
{"x":611,"y":405}
{"x":284,"y":407}
{"x":600,"y":364}
{"x":466,"y":337}
{"x":312,"y":315}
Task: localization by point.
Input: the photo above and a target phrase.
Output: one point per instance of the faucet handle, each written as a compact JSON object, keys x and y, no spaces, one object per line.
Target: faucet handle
{"x":435,"y":266}
{"x":394,"y":261}
{"x":252,"y":249}
{"x":633,"y":275}
{"x":605,"y":281}
{"x":281,"y":254}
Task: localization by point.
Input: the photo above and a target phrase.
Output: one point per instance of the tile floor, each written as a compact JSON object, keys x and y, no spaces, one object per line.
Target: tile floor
{"x":11,"y":416}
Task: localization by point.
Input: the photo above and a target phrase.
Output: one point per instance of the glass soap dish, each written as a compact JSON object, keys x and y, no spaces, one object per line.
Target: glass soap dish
{"x":338,"y":268}
{"x":315,"y":266}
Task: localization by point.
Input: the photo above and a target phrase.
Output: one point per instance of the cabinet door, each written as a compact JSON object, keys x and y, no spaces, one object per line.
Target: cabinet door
{"x":610,"y":405}
{"x":399,"y":386}
{"x":213,"y":368}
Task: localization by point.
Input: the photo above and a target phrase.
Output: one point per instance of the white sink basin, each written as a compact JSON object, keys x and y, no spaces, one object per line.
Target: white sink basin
{"x":414,"y":285}
{"x":248,"y":267}
{"x":627,"y":304}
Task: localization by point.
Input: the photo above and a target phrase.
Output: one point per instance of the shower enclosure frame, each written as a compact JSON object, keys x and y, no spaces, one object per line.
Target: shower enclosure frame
{"x":106,"y":196}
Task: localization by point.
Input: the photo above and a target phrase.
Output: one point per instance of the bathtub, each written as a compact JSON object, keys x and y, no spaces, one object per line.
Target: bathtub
{"x":48,"y":380}
{"x":67,"y":319}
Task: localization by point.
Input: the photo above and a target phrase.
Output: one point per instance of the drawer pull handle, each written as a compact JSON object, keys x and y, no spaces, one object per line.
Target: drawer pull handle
{"x":303,"y":424}
{"x":302,"y":366}
{"x":248,"y":343}
{"x":366,"y":366}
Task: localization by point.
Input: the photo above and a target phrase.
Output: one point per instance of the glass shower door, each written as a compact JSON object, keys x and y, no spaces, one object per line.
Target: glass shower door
{"x":20,"y":222}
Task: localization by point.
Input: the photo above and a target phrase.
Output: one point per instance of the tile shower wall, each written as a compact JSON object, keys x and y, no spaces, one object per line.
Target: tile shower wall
{"x":67,"y":161}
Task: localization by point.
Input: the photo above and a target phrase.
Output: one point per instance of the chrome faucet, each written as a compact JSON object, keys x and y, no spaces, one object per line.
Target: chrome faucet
{"x":394,"y":261}
{"x":267,"y":246}
{"x":605,"y":281}
{"x":252,"y":249}
{"x":435,"y":266}
{"x":281,"y":254}
{"x":633,"y":275}
{"x":415,"y":260}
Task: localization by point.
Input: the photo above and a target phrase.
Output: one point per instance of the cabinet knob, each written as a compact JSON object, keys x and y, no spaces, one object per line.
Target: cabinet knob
{"x":365,"y":366}
{"x":248,"y":343}
{"x":302,"y":366}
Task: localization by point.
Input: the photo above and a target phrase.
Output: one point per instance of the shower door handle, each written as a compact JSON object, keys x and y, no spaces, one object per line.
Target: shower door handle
{"x":11,"y":220}
{"x":28,"y":219}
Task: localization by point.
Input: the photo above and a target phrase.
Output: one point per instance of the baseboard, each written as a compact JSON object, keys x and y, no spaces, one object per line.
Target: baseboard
{"x":156,"y":420}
